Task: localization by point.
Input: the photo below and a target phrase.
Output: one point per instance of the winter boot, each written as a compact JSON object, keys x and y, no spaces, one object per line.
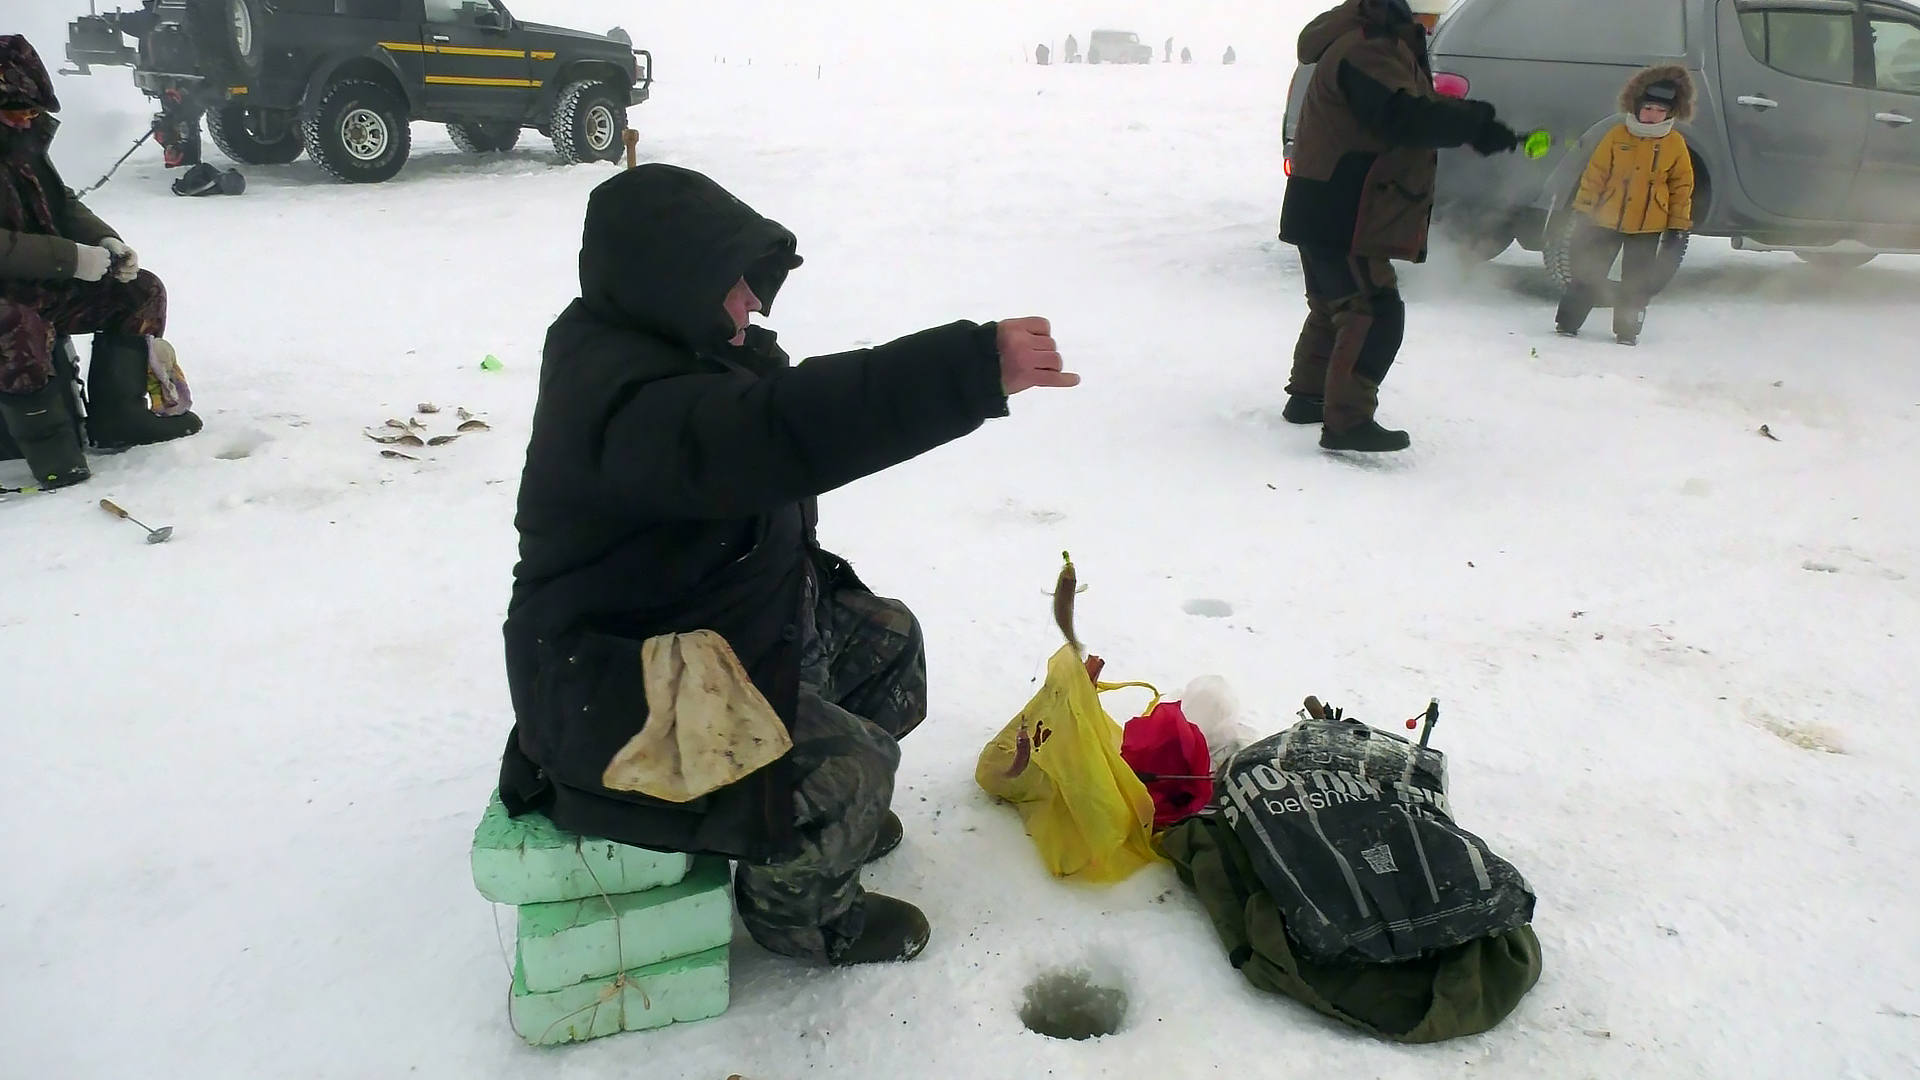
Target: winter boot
{"x":1302,"y":409}
{"x":47,"y":434}
{"x":1572,"y":314}
{"x":891,"y":833}
{"x":1367,"y":437}
{"x":1627,"y":321}
{"x":119,"y":415}
{"x":895,"y":931}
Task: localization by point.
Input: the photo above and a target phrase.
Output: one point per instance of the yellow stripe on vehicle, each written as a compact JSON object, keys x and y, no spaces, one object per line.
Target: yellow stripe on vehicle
{"x":236,"y":89}
{"x":544,"y":55}
{"x":462,"y":80}
{"x":454,"y":50}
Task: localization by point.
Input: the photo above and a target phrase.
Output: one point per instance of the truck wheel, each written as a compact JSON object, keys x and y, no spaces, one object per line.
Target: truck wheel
{"x":1557,"y":253}
{"x":588,"y":118}
{"x":490,"y":138}
{"x":1837,"y":261}
{"x":226,"y":38}
{"x":359,"y":132}
{"x":252,"y":138}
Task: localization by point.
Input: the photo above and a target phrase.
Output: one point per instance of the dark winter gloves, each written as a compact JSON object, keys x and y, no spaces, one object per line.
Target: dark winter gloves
{"x":1493,"y":137}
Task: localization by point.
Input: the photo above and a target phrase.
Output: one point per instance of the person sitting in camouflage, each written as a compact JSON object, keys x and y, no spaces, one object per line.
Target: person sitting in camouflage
{"x":670,"y":488}
{"x":64,"y":271}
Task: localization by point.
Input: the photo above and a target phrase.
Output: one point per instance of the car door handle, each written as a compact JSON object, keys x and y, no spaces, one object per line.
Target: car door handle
{"x":441,"y":37}
{"x":1757,"y":101}
{"x":1893,"y":118}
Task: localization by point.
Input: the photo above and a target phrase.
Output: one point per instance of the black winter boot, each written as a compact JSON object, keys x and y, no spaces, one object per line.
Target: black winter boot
{"x":895,"y":931}
{"x":119,"y":416}
{"x":48,"y":435}
{"x":891,"y":833}
{"x":1368,"y":437}
{"x":1302,"y":409}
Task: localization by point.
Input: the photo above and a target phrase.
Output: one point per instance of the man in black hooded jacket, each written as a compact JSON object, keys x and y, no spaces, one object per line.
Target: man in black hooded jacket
{"x":669,"y":487}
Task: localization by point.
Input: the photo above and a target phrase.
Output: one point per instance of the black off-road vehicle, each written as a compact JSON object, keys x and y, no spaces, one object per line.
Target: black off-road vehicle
{"x":340,"y":79}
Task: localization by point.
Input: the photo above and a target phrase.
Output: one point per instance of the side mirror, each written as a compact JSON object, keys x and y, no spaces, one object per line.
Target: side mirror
{"x":490,"y":20}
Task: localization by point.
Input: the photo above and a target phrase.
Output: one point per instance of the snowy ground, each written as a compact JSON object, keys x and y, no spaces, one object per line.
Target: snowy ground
{"x":1675,"y":656}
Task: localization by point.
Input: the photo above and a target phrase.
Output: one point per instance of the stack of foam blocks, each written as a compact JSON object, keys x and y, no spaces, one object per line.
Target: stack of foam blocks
{"x":612,"y":938}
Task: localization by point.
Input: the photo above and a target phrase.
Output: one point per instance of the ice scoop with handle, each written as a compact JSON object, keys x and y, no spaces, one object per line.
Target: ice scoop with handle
{"x":154,"y":536}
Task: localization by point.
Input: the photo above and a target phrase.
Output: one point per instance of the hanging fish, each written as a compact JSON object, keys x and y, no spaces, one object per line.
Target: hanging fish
{"x":1064,"y":591}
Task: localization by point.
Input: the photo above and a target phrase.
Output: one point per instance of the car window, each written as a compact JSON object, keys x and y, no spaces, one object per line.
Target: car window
{"x":1532,"y":29}
{"x":1896,"y":52}
{"x":1814,"y":45}
{"x":463,"y":12}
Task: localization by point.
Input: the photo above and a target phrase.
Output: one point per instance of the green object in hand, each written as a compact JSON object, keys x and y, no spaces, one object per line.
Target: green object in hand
{"x":491,"y":363}
{"x":1538,"y":144}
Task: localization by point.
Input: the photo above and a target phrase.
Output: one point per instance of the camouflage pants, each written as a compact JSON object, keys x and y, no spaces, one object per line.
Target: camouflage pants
{"x":863,"y":685}
{"x":34,"y":313}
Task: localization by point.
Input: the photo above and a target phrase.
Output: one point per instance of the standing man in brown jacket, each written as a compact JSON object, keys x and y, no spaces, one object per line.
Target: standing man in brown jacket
{"x":1360,"y":193}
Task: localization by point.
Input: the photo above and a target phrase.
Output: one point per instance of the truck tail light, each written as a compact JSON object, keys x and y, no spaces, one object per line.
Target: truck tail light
{"x":1447,"y":84}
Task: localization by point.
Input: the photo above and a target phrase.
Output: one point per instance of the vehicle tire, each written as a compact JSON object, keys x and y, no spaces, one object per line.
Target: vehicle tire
{"x":359,"y":132}
{"x":1557,"y":253}
{"x":250,"y":138}
{"x":588,"y":118}
{"x":226,"y":38}
{"x":1837,"y":261}
{"x":485,"y":138}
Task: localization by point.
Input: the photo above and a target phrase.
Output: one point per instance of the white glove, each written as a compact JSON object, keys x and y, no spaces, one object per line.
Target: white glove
{"x":126,"y":257}
{"x":91,"y":263}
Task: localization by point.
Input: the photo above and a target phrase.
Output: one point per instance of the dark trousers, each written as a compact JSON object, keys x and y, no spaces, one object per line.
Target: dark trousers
{"x":863,"y":686}
{"x":34,"y":313}
{"x":1356,"y":321}
{"x":1594,"y":249}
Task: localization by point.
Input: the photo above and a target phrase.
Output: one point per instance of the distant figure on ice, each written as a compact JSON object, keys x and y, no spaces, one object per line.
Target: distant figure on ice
{"x":1637,"y":190}
{"x":1041,"y":55}
{"x":1186,"y":56}
{"x":1169,"y":58}
{"x":1361,"y":194}
{"x":670,"y":488}
{"x":64,"y":271}
{"x":1228,"y":58}
{"x":1073,"y":50}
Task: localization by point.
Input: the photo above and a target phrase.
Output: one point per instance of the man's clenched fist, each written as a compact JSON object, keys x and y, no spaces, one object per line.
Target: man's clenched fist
{"x":1029,"y":357}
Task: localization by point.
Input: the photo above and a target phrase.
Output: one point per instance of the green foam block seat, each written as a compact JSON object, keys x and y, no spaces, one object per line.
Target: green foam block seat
{"x":575,"y":940}
{"x":528,"y":860}
{"x":673,"y":991}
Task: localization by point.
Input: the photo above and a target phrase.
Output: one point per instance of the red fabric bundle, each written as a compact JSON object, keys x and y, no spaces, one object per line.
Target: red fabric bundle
{"x":1169,"y":753}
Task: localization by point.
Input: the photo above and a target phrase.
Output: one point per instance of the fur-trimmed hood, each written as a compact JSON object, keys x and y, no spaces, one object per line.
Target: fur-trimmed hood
{"x":1645,"y":77}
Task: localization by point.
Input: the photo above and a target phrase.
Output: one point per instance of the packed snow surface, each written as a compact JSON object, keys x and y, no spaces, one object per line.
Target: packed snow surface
{"x":1674,"y":655}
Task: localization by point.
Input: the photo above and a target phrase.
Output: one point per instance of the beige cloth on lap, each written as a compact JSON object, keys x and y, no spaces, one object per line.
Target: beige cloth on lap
{"x":707,"y":724}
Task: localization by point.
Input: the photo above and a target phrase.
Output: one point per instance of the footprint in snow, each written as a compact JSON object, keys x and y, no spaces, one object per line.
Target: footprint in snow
{"x":1208,"y":609}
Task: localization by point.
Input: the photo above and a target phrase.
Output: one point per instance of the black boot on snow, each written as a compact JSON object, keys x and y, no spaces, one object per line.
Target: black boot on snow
{"x":201,"y":179}
{"x":1302,"y":409}
{"x":895,"y":931}
{"x":1368,"y":438}
{"x":47,"y":434}
{"x":119,"y":416}
{"x":891,"y":833}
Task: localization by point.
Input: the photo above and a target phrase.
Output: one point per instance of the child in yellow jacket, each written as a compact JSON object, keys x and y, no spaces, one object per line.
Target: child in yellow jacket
{"x":1637,"y":188}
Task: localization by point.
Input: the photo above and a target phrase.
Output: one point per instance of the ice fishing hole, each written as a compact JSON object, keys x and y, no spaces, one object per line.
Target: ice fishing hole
{"x":1072,"y":1005}
{"x":1208,"y":609}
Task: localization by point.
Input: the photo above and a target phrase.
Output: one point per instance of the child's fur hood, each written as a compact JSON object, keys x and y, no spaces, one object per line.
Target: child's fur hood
{"x":1645,"y":77}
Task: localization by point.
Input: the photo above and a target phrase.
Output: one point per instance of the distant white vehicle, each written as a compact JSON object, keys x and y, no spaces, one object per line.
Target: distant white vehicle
{"x":1118,"y":47}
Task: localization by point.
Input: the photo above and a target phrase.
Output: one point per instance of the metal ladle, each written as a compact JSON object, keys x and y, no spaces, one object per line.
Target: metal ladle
{"x":154,"y":536}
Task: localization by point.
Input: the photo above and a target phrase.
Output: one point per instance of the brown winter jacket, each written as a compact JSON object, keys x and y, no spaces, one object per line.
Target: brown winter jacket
{"x":28,"y":250}
{"x":1364,"y":155}
{"x":1639,"y":184}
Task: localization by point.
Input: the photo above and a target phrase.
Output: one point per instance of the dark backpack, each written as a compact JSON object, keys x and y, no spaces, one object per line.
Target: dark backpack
{"x":1348,"y":828}
{"x":1334,"y":873}
{"x":1460,"y":991}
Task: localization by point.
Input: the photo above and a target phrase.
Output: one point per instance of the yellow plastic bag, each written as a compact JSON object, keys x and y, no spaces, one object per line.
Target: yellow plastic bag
{"x":1059,"y":763}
